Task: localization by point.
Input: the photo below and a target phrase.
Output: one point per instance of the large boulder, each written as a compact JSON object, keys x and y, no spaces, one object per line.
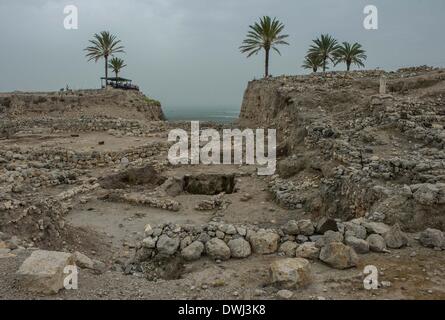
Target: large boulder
{"x":356,"y":230}
{"x":432,"y":238}
{"x":43,"y":271}
{"x":376,"y":243}
{"x":427,"y":194}
{"x":291,"y":227}
{"x":339,"y":256}
{"x":218,"y":249}
{"x":376,"y":227}
{"x":328,"y":237}
{"x":395,"y":238}
{"x":308,"y":250}
{"x":166,"y":245}
{"x":305,"y":227}
{"x":239,"y":248}
{"x":83,"y":261}
{"x":291,"y":273}
{"x":264,"y":242}
{"x":288,"y":248}
{"x":193,"y":251}
{"x":359,"y":245}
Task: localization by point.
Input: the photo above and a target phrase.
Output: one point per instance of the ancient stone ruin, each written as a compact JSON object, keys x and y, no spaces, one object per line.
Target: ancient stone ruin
{"x":85,"y":183}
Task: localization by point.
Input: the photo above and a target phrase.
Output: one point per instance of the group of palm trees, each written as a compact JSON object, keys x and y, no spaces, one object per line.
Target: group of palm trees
{"x":267,"y":35}
{"x":326,"y":49}
{"x":263,"y":35}
{"x":105,"y":45}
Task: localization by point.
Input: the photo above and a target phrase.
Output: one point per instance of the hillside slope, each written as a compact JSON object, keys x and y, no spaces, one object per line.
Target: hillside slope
{"x":110,"y":103}
{"x":348,"y":151}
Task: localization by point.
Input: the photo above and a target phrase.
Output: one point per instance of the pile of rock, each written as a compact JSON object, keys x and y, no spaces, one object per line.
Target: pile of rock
{"x":216,"y":202}
{"x":142,"y":199}
{"x":52,"y":158}
{"x":338,"y":244}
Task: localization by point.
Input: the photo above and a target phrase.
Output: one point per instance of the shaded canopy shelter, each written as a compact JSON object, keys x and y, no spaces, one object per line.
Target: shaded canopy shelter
{"x":118,"y":83}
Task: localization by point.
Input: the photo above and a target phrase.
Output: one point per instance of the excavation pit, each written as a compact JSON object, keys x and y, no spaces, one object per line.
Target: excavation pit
{"x":146,"y":176}
{"x":209,"y":184}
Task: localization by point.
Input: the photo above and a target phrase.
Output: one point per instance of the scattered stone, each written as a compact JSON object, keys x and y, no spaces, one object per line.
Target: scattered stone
{"x":291,"y":273}
{"x":376,"y":227}
{"x":264,"y":242}
{"x":355,"y":230}
{"x":288,"y":248}
{"x":193,"y":251}
{"x":305,"y":227}
{"x":339,"y":256}
{"x":308,"y":250}
{"x":217,"y":249}
{"x":302,"y":239}
{"x":43,"y":271}
{"x":285,"y":294}
{"x":167,"y":245}
{"x":148,"y":230}
{"x":149,"y":243}
{"x":376,"y":243}
{"x":432,"y":238}
{"x":427,"y":194}
{"x":395,"y":238}
{"x":328,"y":237}
{"x":291,"y":227}
{"x":99,"y":266}
{"x":359,"y":245}
{"x":239,"y":248}
{"x":83,"y":261}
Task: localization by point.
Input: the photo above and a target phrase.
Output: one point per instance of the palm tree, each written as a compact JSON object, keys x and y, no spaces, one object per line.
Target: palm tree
{"x":351,"y":54}
{"x":325,"y":47}
{"x":265,"y":35}
{"x":104,"y":45}
{"x":116,"y":64}
{"x":312,"y":61}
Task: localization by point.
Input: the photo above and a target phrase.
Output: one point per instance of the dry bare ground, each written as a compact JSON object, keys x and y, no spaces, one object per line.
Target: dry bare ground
{"x":88,"y":172}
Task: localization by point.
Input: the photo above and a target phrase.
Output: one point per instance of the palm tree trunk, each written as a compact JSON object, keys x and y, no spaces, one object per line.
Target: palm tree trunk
{"x":106,"y":71}
{"x":348,"y":66}
{"x":324,"y":64}
{"x":267,"y":64}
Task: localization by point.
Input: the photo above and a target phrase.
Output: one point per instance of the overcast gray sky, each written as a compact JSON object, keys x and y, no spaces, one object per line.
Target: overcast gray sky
{"x":185,"y":52}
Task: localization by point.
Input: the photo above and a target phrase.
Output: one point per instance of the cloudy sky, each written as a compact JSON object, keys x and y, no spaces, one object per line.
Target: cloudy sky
{"x":185,"y":52}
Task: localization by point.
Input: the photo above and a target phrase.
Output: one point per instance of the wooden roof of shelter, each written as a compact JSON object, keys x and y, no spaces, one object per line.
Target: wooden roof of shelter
{"x":118,"y":79}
